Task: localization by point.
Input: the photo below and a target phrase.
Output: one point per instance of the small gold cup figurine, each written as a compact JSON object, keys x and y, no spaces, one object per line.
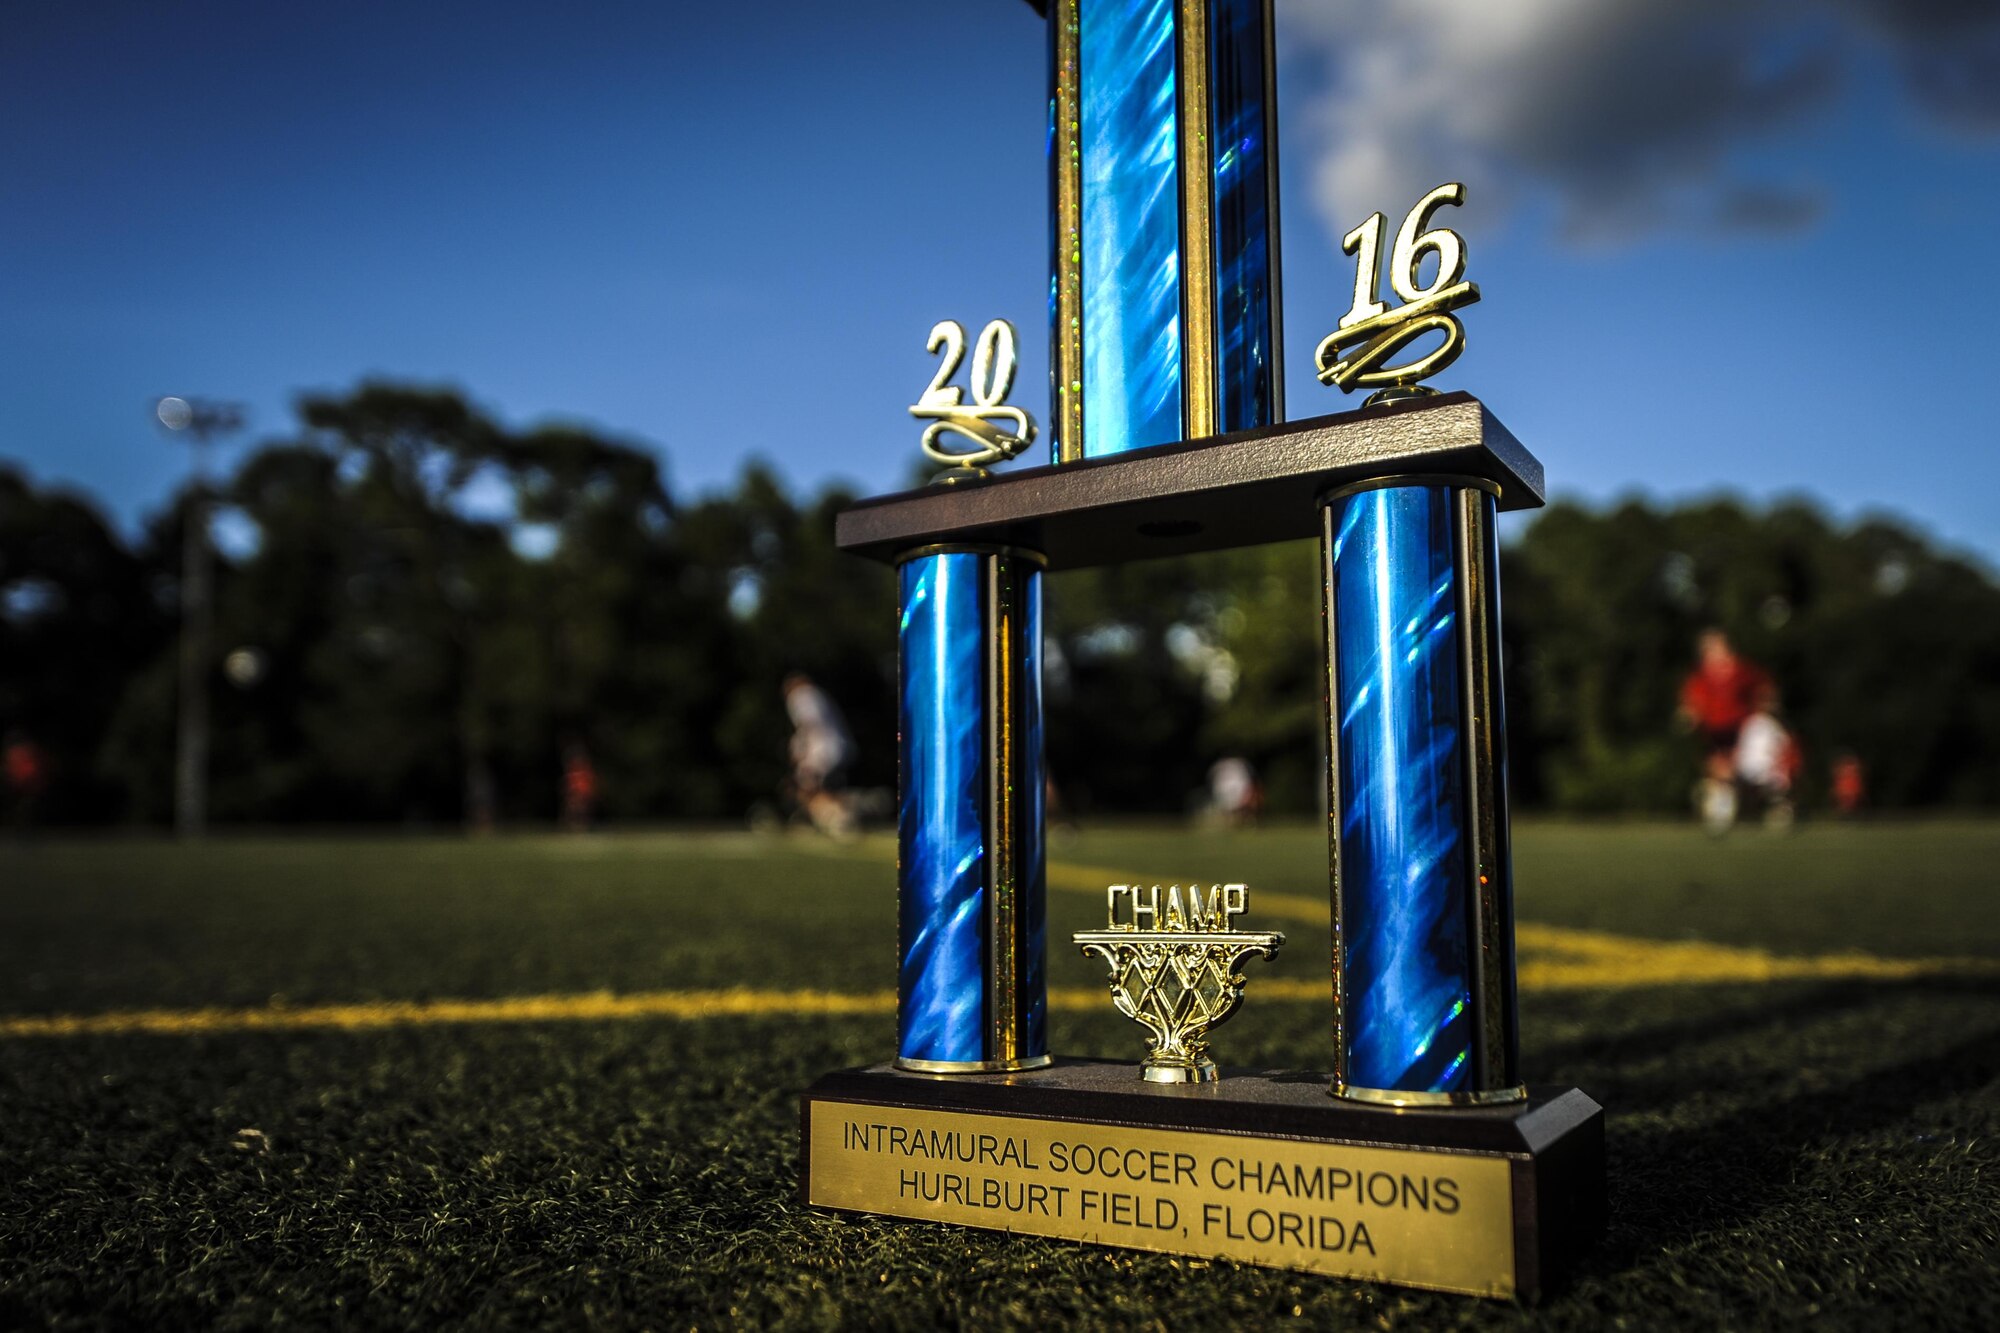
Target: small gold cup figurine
{"x":1176,"y":975}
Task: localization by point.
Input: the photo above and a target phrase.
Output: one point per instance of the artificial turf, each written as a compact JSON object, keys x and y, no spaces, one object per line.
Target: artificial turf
{"x":1778,"y":1152}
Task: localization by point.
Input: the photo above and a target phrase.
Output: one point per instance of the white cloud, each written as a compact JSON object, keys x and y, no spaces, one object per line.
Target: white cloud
{"x":1624,"y":113}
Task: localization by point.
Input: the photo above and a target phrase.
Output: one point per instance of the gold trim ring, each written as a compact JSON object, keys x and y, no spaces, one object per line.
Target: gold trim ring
{"x":973,"y":1066}
{"x":973,"y":548}
{"x":1462,"y":480}
{"x":1429,"y":1100}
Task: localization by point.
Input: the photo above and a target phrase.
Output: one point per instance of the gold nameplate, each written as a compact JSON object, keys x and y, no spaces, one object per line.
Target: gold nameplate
{"x":1426,"y":1219}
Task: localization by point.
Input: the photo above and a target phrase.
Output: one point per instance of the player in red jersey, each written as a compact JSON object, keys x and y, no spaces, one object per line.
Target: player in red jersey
{"x":1717,"y":698}
{"x":25,"y":769}
{"x":1850,"y":784}
{"x":579,"y":787}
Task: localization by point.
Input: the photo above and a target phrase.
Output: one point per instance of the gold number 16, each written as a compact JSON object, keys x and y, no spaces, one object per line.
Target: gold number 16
{"x":1374,"y":330}
{"x":1365,"y":243}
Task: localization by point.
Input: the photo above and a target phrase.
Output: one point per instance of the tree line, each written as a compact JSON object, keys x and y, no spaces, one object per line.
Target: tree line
{"x":418,"y":612}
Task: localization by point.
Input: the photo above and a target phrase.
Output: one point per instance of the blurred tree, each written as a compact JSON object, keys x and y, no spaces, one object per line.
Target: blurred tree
{"x":1162,"y":667}
{"x":80,"y":616}
{"x":628,"y":635}
{"x":426,"y":598}
{"x":793,"y":603}
{"x":420,"y":613}
{"x":1597,"y":634}
{"x":1878,"y":643}
{"x":1262,"y":610}
{"x":285,"y":606}
{"x":1125,"y":710}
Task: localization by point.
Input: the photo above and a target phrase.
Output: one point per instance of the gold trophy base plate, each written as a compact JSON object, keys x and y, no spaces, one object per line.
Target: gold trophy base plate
{"x":1202,"y":1072}
{"x":1262,"y":1168}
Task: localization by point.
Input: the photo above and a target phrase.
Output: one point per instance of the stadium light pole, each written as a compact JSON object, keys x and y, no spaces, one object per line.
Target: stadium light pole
{"x":199,"y":422}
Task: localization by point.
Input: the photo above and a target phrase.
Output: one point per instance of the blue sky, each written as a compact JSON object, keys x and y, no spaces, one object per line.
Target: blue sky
{"x":724,"y":231}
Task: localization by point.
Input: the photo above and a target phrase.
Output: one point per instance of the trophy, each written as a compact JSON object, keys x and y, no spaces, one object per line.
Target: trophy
{"x":1417,"y":1154}
{"x":1178,"y":979}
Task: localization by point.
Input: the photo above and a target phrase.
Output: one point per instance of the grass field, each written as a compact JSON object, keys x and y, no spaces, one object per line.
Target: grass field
{"x":554,"y":1081}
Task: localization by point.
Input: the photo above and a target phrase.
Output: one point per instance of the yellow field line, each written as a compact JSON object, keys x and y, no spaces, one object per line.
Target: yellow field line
{"x":1670,"y":967}
{"x":1594,"y":959}
{"x":1554,"y":958}
{"x":586,"y":1007}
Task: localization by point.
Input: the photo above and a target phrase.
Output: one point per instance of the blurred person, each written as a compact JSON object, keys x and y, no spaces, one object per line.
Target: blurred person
{"x":1850,"y":784}
{"x":1233,"y":794}
{"x":821,"y":750}
{"x":25,"y":768}
{"x":1055,"y":808}
{"x":579,"y":786}
{"x":1717,"y":698}
{"x":1768,"y":762}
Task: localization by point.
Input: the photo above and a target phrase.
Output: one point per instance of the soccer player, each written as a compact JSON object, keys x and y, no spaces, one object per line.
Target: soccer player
{"x":1768,"y":762}
{"x":1850,"y":784}
{"x":821,"y":751}
{"x":579,"y":787}
{"x":1717,"y":698}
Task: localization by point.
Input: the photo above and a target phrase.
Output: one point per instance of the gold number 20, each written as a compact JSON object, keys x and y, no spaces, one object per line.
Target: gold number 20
{"x":993,"y":362}
{"x":979,"y":426}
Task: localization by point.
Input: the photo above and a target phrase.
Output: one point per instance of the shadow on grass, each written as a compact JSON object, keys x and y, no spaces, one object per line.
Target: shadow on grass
{"x":1672,"y":1186}
{"x":1779,"y":1018}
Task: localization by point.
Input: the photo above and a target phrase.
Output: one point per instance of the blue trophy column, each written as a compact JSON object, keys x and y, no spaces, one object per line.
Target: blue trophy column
{"x":1244,"y":161}
{"x":971,"y":921}
{"x":1163,"y":293}
{"x":1422,"y":887}
{"x":1131,"y":226}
